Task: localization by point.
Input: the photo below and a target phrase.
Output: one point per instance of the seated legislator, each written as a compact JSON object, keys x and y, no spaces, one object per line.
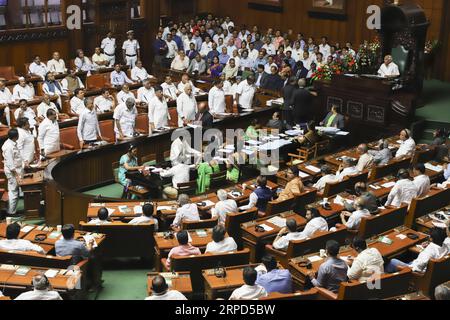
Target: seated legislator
{"x":370,"y":200}
{"x":100,"y":59}
{"x":347,"y":169}
{"x":365,"y":160}
{"x":260,"y":197}
{"x":128,"y":162}
{"x":105,"y":102}
{"x":294,"y":187}
{"x":223,"y":207}
{"x":352,"y":220}
{"x":42,"y":290}
{"x":250,"y":290}
{"x":38,"y":68}
{"x":327,"y":177}
{"x":102,"y":218}
{"x":334,"y":119}
{"x":404,"y":190}
{"x":368,"y":264}
{"x":125,"y":119}
{"x":118,"y":77}
{"x":434,"y":251}
{"x":216,"y":68}
{"x":23,"y":90}
{"x":88,"y":129}
{"x":383,"y":155}
{"x":158,"y":111}
{"x":180,"y":173}
{"x":69,"y":246}
{"x":273,"y":279}
{"x":187,"y":211}
{"x":139,"y":73}
{"x":332,"y":272}
{"x":44,"y":106}
{"x":220,"y":244}
{"x":148,"y":210}
{"x":12,"y":243}
{"x":48,"y":137}
{"x":407,"y":146}
{"x":125,"y":94}
{"x":287,"y":234}
{"x":389,"y":69}
{"x":197,"y":66}
{"x":72,"y":82}
{"x":275,"y":122}
{"x":421,"y":180}
{"x":52,"y":87}
{"x":146,"y":93}
{"x":56,"y":64}
{"x":184,"y":249}
{"x":160,"y":291}
{"x":311,"y":137}
{"x":204,"y":172}
{"x":180,"y":62}
{"x":77,"y":103}
{"x":83,"y":63}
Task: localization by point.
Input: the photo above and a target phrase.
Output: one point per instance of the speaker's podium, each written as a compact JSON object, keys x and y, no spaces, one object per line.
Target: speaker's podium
{"x":367,"y":99}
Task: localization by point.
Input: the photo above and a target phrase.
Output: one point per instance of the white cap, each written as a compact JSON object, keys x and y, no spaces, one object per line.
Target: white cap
{"x":130,"y":32}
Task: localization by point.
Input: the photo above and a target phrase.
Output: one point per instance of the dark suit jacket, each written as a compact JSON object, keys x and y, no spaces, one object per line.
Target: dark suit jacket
{"x":301,"y":73}
{"x":207,"y":119}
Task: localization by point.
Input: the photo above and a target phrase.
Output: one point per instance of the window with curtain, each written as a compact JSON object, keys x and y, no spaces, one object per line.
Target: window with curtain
{"x":29,"y":13}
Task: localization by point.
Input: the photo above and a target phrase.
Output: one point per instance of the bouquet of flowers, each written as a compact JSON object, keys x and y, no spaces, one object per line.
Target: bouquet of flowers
{"x":368,"y":55}
{"x":327,"y":71}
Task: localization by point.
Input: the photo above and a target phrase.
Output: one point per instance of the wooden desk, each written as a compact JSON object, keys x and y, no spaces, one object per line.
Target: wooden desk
{"x":117,"y":214}
{"x":163,"y":246}
{"x":223,"y":287}
{"x":53,"y":236}
{"x":23,"y":231}
{"x":336,"y":160}
{"x":13,"y":284}
{"x":380,"y":191}
{"x":387,"y":251}
{"x":32,"y":188}
{"x":180,"y":281}
{"x":427,"y":222}
{"x":415,"y":296}
{"x":256,"y":241}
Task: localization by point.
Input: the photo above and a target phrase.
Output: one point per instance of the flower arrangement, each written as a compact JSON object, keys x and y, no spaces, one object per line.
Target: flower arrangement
{"x":368,"y":55}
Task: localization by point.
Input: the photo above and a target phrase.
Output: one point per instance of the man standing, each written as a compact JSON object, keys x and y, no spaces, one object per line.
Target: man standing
{"x":302,"y":103}
{"x":246,"y":92}
{"x":186,"y":106}
{"x":125,"y":119}
{"x":216,"y":98}
{"x":13,"y":166}
{"x":88,"y":127}
{"x":131,"y":50}
{"x":158,"y":111}
{"x":109,"y":48}
{"x":48,"y":138}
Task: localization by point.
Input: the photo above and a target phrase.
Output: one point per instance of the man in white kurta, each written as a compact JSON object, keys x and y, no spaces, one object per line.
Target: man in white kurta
{"x":13,"y":166}
{"x":44,"y":106}
{"x":186,"y":107}
{"x":246,"y":92}
{"x":23,"y":90}
{"x":125,"y":119}
{"x":216,"y":98}
{"x":57,"y":64}
{"x":146,"y":93}
{"x":38,"y":68}
{"x":77,"y":105}
{"x":48,"y":137}
{"x":26,"y":141}
{"x":388,"y":69}
{"x":24,"y":111}
{"x":158,"y":111}
{"x":88,"y":127}
{"x":139,"y":73}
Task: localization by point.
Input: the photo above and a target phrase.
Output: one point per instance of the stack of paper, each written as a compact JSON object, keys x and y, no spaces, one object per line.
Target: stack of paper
{"x":388,"y":185}
{"x":51,"y":273}
{"x":434,"y":168}
{"x":313,"y":169}
{"x":278,"y":221}
{"x":266,"y":227}
{"x":303,"y":175}
{"x":138,"y":210}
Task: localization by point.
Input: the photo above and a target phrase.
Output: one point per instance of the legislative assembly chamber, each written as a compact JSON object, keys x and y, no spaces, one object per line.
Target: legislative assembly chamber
{"x":214,"y":150}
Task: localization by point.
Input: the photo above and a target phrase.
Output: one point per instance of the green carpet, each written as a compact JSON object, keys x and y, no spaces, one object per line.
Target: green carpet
{"x":109,"y":191}
{"x":436,"y":98}
{"x":124,"y":285}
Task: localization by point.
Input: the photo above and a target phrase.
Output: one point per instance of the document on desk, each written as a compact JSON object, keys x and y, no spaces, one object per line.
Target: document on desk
{"x":303,"y":175}
{"x":22,"y":271}
{"x":388,"y":185}
{"x":110,"y":211}
{"x":138,"y":210}
{"x":278,"y":221}
{"x":313,"y":169}
{"x":315,"y":259}
{"x":209,"y":203}
{"x":342,"y":133}
{"x":434,"y":168}
{"x":51,"y":273}
{"x":266,"y":227}
{"x":27,"y":229}
{"x":341,"y":201}
{"x":375,"y":187}
{"x":90,"y":238}
{"x":165,"y":208}
{"x":294,"y":133}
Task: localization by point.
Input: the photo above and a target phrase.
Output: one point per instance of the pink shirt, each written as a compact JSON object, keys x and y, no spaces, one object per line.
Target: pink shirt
{"x":187,"y":250}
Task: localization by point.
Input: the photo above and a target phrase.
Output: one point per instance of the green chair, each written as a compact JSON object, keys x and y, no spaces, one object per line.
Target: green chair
{"x":401,"y":57}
